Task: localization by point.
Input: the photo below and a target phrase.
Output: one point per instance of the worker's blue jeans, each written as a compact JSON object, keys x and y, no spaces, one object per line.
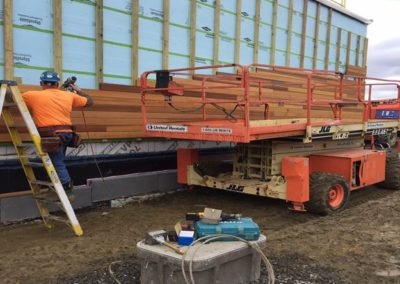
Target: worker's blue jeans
{"x":58,"y":157}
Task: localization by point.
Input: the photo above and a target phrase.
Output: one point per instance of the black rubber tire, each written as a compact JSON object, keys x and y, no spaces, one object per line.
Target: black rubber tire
{"x":389,"y":139}
{"x":320,"y":184}
{"x":392,"y":173}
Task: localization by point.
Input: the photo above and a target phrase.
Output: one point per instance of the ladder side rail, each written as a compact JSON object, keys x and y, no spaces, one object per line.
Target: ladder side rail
{"x":29,"y":173}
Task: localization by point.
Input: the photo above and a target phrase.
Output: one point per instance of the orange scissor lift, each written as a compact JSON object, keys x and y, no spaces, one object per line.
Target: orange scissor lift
{"x":305,"y":136}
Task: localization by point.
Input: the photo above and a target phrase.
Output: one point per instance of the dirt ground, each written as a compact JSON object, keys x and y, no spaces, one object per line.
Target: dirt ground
{"x":359,"y":245}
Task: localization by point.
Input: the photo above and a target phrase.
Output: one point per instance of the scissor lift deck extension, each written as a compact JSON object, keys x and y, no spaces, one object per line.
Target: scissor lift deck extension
{"x":312,"y":160}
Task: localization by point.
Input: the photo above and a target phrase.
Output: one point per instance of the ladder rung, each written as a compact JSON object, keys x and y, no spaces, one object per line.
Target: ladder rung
{"x":34,"y":165}
{"x":17,"y":125}
{"x":9,"y":104}
{"x":27,"y":157}
{"x":41,"y":182}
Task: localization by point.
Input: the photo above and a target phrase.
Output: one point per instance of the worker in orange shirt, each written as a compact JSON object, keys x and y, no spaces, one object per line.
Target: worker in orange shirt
{"x":51,"y":110}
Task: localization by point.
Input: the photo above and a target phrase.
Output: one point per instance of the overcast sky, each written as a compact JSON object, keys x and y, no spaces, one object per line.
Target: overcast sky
{"x":383,"y":34}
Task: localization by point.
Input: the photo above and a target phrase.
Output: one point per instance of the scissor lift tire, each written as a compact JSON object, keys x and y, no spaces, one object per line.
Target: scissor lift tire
{"x":329,"y":193}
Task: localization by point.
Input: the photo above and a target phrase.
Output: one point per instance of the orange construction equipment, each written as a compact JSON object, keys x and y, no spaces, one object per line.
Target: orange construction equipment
{"x":306,"y":136}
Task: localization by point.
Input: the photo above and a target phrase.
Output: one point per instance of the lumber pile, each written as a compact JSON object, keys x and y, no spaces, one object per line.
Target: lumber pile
{"x":117,"y":114}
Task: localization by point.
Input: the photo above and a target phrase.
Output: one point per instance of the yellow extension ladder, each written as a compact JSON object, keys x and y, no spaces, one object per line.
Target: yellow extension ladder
{"x":10,"y":97}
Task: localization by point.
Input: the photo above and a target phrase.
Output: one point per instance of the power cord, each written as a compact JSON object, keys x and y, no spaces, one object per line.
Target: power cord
{"x":91,"y":147}
{"x":112,"y":272}
{"x":270,"y":270}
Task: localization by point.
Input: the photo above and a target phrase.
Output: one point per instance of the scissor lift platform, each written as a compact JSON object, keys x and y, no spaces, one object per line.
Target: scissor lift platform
{"x":334,"y":93}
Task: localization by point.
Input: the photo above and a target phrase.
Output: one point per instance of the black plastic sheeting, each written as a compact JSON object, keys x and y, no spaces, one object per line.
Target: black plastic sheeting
{"x":82,"y":168}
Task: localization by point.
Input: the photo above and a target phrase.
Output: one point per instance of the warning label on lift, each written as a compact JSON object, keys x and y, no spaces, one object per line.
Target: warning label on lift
{"x":216,"y":130}
{"x":166,"y":128}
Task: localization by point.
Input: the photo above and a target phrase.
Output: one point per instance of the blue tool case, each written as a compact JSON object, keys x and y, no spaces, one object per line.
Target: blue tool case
{"x":244,"y":228}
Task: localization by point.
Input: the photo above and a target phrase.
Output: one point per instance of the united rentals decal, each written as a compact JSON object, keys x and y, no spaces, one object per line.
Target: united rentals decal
{"x":166,"y":128}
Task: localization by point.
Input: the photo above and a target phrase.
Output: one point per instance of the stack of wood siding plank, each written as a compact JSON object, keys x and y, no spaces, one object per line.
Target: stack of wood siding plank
{"x":117,"y":114}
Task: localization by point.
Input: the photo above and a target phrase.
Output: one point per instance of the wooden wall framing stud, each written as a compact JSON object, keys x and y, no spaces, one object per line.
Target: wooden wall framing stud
{"x":193,"y":13}
{"x":328,"y":39}
{"x":256,"y":47}
{"x":238,"y":30}
{"x":289,"y":34}
{"x":338,"y":48}
{"x":273,"y":36}
{"x":165,"y":54}
{"x":217,"y":15}
{"x":57,"y":36}
{"x":316,"y":36}
{"x":99,"y":42}
{"x":8,"y":39}
{"x":365,"y":53}
{"x":135,"y":41}
{"x":358,"y":50}
{"x":348,"y":51}
{"x":303,"y":34}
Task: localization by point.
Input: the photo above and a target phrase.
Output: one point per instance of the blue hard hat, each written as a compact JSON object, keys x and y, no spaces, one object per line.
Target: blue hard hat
{"x":49,"y":76}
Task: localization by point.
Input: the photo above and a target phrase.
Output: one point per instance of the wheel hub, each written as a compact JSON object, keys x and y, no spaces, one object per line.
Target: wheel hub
{"x":336,"y":196}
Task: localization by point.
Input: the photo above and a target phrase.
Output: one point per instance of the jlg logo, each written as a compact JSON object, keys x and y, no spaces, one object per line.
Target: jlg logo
{"x":325,"y":129}
{"x":235,"y":187}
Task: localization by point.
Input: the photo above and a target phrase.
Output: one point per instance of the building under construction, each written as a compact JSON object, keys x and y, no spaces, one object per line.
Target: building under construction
{"x":108,"y":44}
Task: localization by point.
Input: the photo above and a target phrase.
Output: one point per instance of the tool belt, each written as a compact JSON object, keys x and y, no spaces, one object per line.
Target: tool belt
{"x":50,"y":131}
{"x":52,"y":140}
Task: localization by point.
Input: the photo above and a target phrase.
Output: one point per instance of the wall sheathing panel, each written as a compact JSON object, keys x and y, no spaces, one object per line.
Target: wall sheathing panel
{"x":204,"y":34}
{"x":227,"y":31}
{"x":247,"y":31}
{"x":117,"y":42}
{"x":33,"y":22}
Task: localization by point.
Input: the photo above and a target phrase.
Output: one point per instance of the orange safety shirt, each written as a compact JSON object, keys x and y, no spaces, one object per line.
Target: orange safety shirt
{"x":51,"y":107}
